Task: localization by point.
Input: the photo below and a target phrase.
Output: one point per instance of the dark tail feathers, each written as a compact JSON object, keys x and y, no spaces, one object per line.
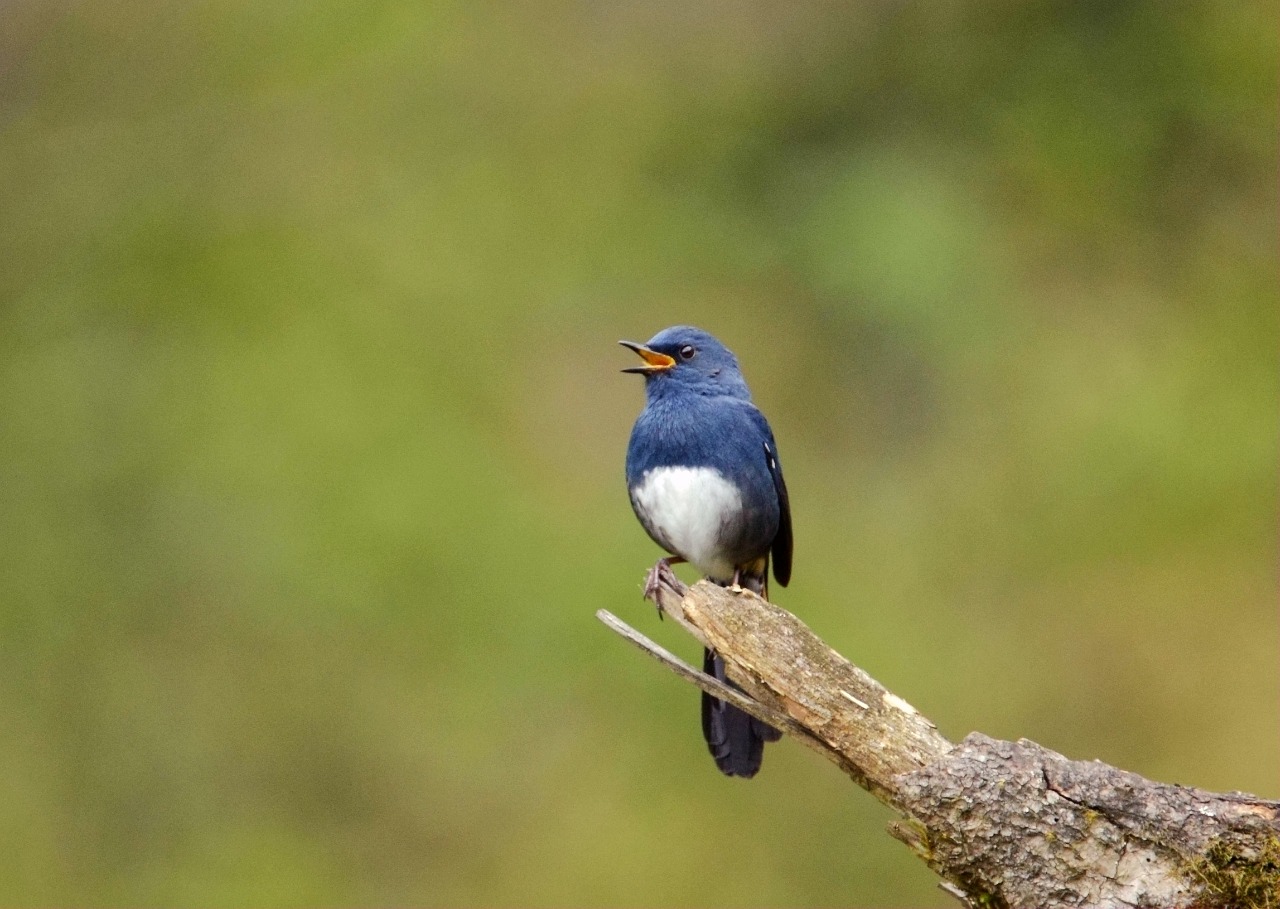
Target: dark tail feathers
{"x":735,"y":739}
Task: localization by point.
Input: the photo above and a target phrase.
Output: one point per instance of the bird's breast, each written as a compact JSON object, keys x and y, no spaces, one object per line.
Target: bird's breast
{"x":690,"y":511}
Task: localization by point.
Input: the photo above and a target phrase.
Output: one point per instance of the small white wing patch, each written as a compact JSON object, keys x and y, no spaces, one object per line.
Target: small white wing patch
{"x":686,"y":508}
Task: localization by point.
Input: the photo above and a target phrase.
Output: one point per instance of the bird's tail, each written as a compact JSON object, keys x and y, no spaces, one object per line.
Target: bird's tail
{"x":735,"y":739}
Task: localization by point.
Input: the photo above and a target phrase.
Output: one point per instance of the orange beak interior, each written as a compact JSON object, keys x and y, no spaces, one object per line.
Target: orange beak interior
{"x":654,"y":361}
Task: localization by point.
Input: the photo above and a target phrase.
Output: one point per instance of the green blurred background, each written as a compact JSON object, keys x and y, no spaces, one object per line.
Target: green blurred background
{"x":311,"y":426}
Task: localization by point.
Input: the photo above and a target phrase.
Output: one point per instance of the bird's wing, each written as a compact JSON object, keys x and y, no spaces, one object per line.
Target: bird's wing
{"x":782,"y":542}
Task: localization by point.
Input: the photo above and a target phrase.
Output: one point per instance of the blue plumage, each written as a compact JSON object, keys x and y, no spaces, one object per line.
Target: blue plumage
{"x":705,"y":481}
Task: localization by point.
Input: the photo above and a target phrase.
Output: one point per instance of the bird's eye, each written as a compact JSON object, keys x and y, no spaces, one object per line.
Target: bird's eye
{"x":687,"y":352}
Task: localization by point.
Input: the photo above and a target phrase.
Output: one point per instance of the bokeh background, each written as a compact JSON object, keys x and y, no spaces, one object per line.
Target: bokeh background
{"x":311,"y":426}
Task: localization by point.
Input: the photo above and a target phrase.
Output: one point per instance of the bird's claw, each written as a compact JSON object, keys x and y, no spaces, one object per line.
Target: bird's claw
{"x":660,"y":576}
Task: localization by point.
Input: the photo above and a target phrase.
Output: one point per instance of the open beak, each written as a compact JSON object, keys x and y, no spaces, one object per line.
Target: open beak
{"x":653,"y":361}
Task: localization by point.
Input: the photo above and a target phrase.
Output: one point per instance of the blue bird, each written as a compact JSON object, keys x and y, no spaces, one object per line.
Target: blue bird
{"x":705,"y":482}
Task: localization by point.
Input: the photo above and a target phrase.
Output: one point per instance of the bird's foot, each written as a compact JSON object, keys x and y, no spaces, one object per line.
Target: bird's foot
{"x":660,"y":576}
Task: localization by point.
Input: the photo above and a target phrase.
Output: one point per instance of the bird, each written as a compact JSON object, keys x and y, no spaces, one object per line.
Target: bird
{"x":705,"y":481}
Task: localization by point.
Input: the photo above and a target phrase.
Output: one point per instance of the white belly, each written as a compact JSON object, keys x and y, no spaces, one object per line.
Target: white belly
{"x":687,"y":510}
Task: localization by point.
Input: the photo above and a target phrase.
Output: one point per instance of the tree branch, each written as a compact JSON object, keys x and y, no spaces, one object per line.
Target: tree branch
{"x":1003,"y":823}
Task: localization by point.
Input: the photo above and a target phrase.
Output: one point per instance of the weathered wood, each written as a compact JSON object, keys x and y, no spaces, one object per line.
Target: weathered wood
{"x":707,"y":683}
{"x":1003,"y":823}
{"x":1026,"y":824}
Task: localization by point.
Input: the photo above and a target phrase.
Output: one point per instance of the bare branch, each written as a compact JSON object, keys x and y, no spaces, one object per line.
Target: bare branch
{"x":1004,"y":823}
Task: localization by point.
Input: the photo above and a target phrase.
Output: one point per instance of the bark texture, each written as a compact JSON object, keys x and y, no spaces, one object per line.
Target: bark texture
{"x":1003,"y":823}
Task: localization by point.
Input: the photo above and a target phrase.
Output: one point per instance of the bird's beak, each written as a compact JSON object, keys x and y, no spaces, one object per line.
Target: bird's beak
{"x":653,"y":361}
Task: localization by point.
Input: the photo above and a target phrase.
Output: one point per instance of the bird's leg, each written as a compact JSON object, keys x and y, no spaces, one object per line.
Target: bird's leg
{"x":659,"y":575}
{"x":737,"y":580}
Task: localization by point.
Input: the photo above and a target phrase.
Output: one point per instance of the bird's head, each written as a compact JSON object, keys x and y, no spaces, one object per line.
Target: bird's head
{"x":683,"y":357}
